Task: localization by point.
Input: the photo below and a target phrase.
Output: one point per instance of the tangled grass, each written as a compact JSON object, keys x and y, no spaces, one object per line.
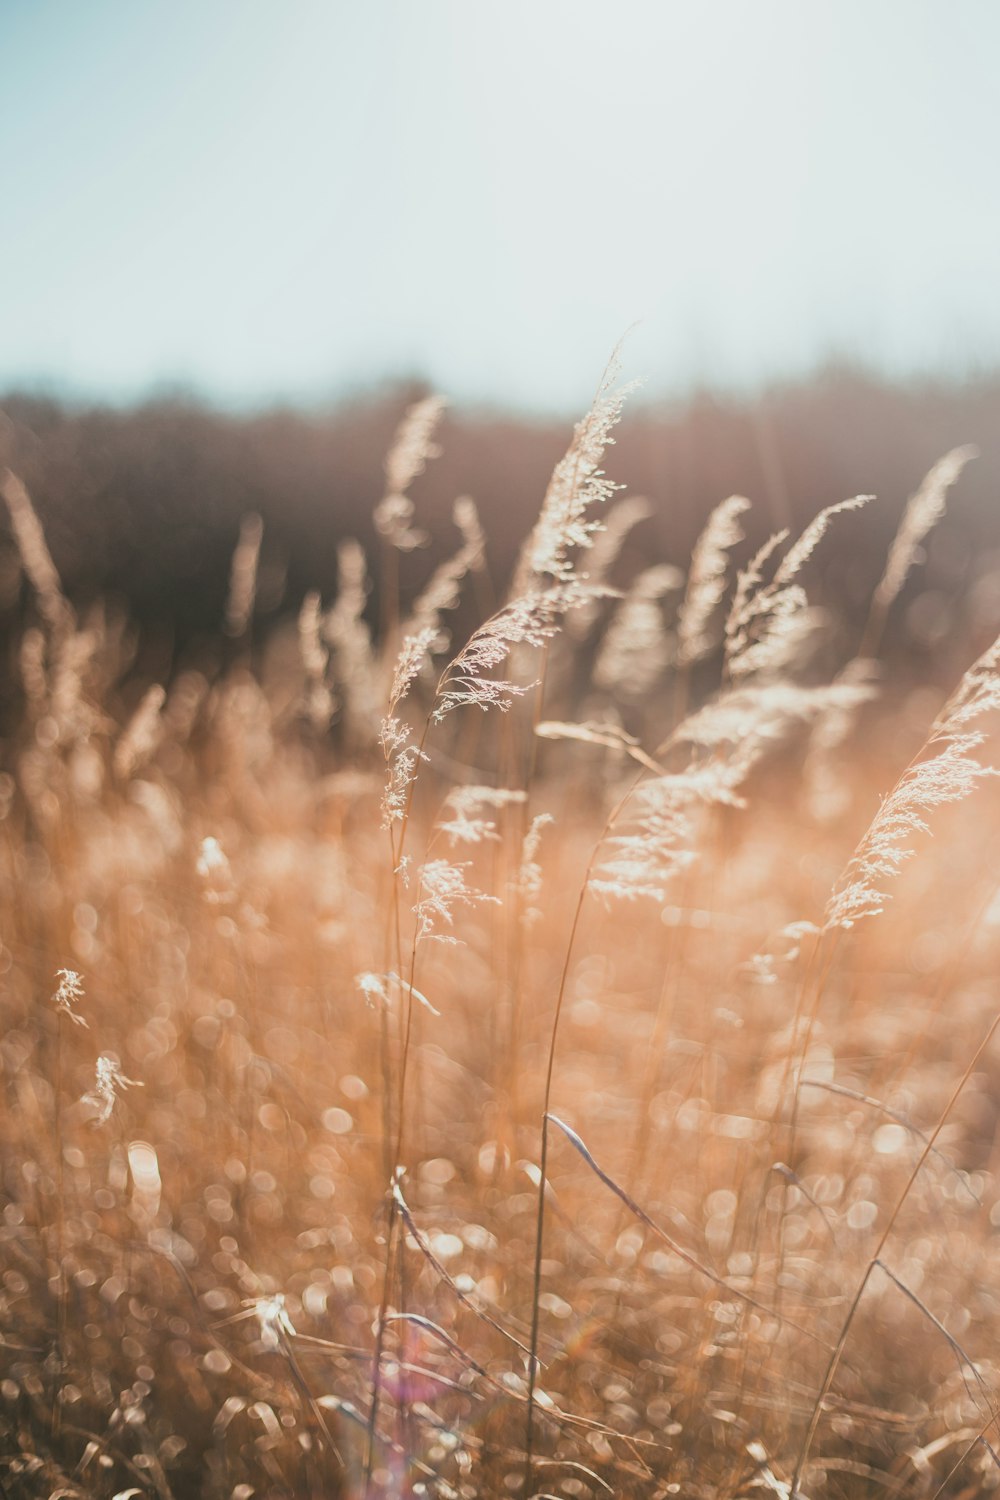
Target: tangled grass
{"x":532,"y":1065}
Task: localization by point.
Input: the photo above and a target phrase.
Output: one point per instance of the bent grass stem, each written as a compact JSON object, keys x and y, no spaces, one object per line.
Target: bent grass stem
{"x":835,"y":1358}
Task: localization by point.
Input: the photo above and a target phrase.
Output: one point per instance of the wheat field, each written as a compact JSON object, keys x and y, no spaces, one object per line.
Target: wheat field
{"x":551,"y":1060}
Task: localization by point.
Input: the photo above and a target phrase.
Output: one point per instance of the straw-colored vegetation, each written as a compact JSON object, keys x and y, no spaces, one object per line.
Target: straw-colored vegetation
{"x":535,"y":1064}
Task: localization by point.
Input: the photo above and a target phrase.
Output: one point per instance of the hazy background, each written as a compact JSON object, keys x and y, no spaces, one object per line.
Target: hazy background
{"x":258,"y":201}
{"x":239,"y":237}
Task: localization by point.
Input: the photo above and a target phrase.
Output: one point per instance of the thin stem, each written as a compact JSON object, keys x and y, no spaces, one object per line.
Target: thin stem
{"x":61,"y":1308}
{"x":803,"y":1052}
{"x":542,"y":1182}
{"x":391,"y":1157}
{"x":379,"y":1348}
{"x":516,"y":954}
{"x":835,"y":1357}
{"x":543,"y":1161}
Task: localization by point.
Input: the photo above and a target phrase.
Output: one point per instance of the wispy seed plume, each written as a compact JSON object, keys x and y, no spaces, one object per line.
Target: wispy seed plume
{"x":109,"y":1085}
{"x":243,"y":575}
{"x":35,"y":556}
{"x":707,"y":579}
{"x":578,"y":484}
{"x":68,"y":994}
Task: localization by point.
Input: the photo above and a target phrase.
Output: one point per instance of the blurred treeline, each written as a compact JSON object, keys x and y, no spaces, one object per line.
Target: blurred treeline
{"x":141,"y":507}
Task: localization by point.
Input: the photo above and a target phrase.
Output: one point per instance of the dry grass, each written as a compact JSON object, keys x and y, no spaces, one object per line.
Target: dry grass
{"x":543,"y":1089}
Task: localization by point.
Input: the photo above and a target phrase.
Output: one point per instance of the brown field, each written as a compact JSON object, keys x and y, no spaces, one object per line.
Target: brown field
{"x":530,"y":1062}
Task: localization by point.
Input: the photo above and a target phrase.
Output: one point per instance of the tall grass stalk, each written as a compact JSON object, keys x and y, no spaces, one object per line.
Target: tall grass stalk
{"x":536,"y":1283}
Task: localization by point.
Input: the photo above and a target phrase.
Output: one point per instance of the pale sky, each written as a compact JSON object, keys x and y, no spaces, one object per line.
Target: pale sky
{"x":289,"y":198}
